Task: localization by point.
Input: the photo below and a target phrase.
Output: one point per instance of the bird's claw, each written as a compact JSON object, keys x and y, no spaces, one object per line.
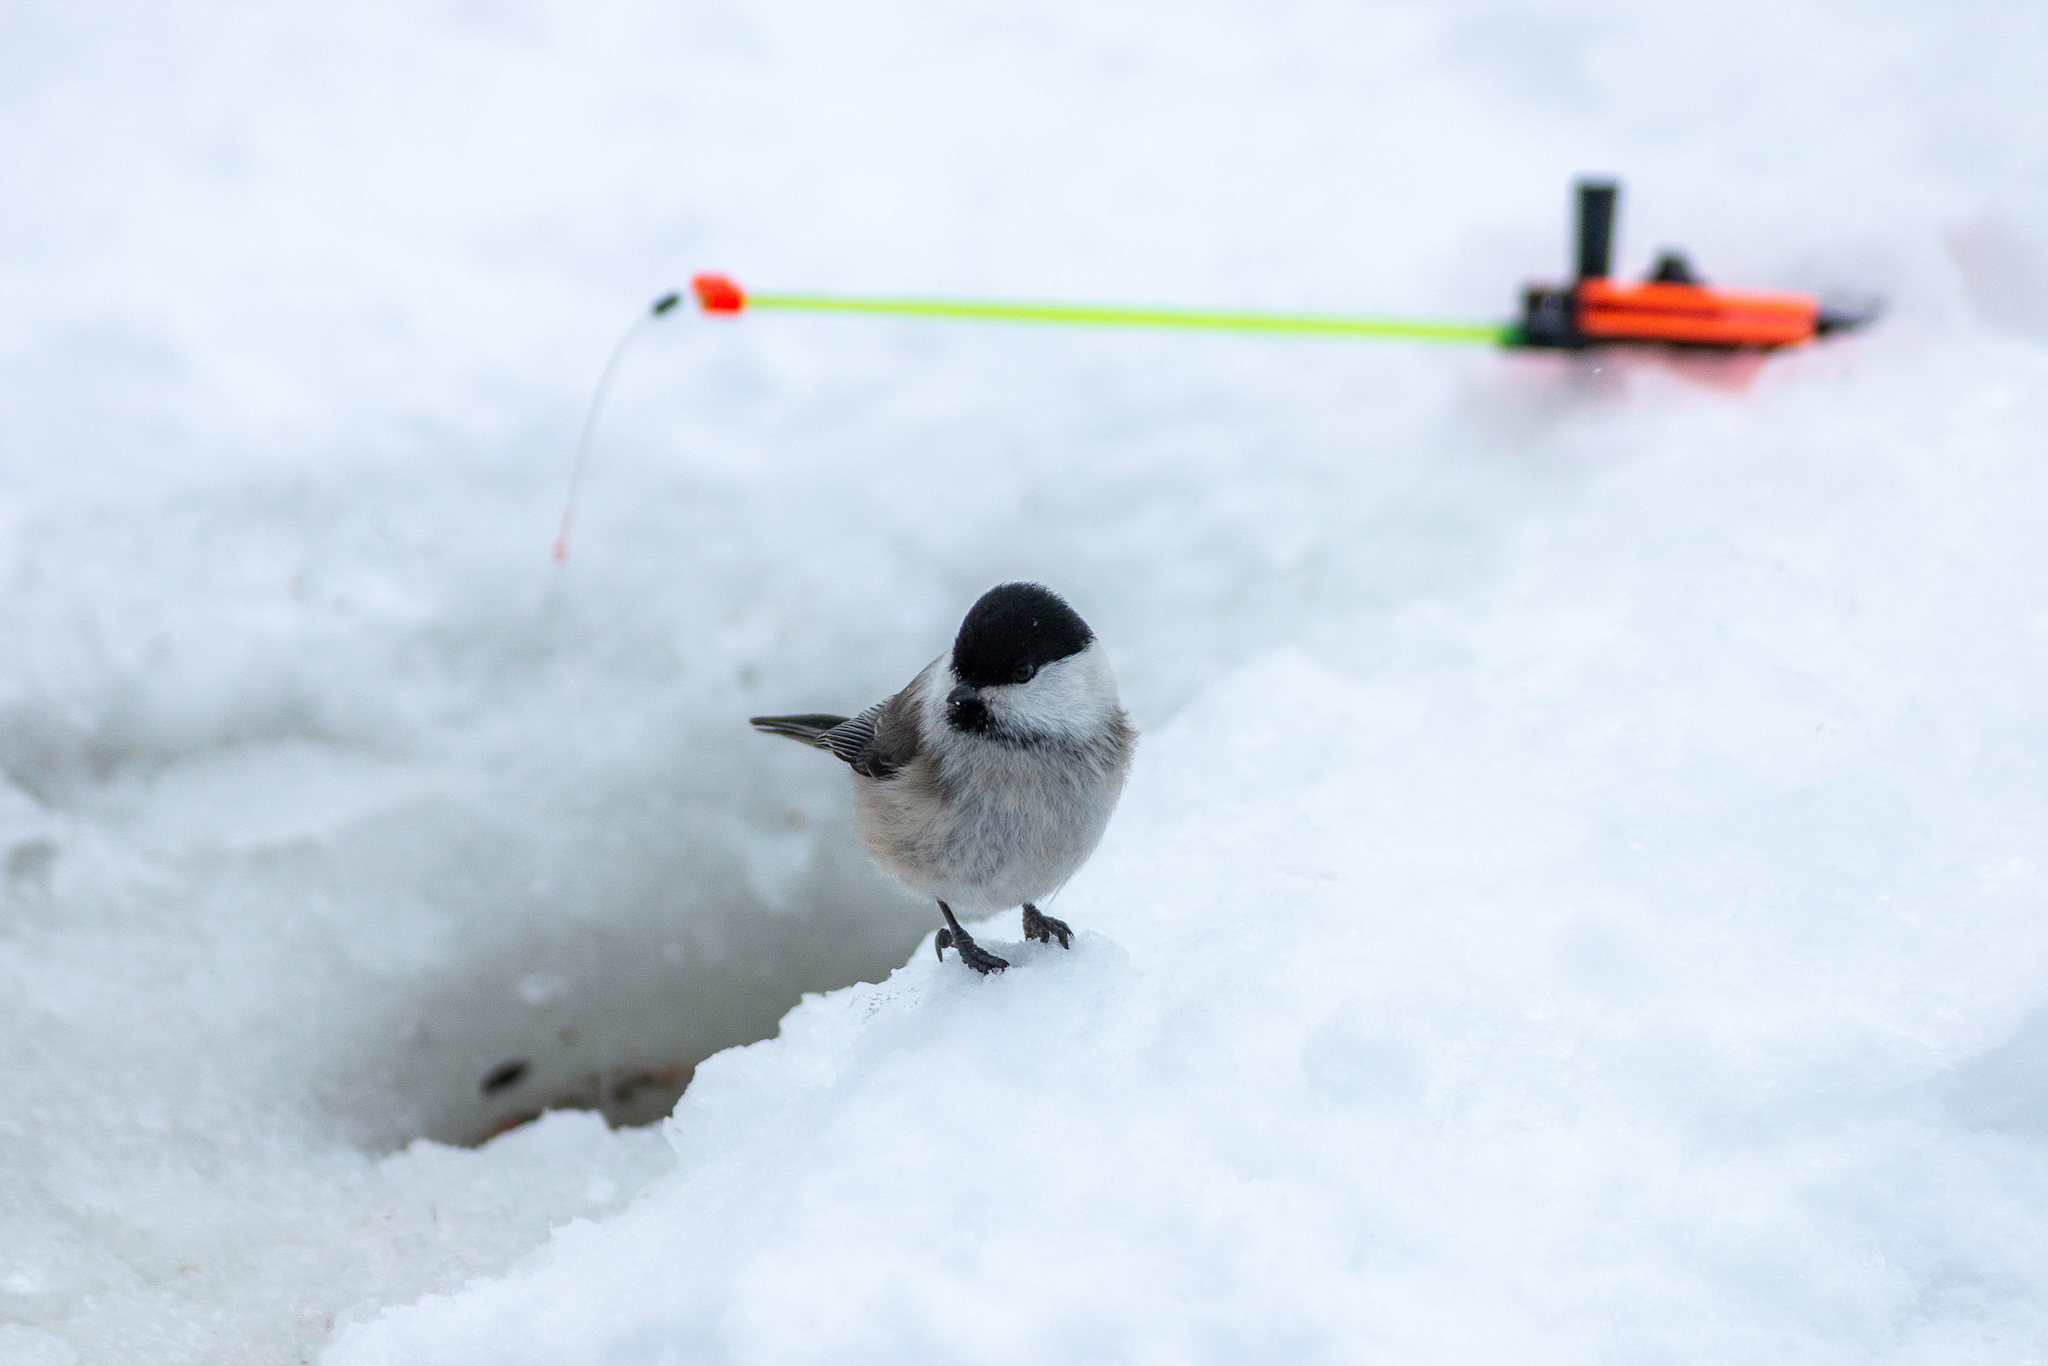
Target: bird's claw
{"x":959,"y":940}
{"x":971,"y":953}
{"x":1045,"y":929}
{"x":977,"y":957}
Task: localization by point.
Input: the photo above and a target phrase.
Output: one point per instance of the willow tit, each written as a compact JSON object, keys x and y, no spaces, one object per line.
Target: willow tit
{"x":988,"y":781}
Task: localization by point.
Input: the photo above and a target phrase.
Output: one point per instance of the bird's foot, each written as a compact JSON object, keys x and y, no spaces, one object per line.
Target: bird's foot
{"x":971,"y":953}
{"x":961,"y":942}
{"x":1045,"y":929}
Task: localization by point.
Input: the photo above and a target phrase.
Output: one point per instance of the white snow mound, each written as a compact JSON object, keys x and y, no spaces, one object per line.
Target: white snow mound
{"x":1390,"y":1033}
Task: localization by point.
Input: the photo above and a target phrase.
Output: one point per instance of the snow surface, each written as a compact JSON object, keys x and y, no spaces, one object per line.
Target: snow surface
{"x":1581,"y":891}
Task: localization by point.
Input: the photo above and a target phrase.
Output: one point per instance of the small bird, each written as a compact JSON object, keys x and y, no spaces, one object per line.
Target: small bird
{"x":990,"y":778}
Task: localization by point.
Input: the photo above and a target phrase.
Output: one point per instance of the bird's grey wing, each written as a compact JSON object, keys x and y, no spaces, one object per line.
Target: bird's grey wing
{"x":850,"y":738}
{"x":882,"y":739}
{"x":814,"y":728}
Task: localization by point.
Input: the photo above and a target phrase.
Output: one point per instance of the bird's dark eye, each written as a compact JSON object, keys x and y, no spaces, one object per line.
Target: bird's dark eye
{"x":1025,"y":671}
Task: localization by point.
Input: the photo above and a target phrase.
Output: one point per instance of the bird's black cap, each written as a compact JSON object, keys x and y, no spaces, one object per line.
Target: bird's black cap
{"x":1012,"y":631}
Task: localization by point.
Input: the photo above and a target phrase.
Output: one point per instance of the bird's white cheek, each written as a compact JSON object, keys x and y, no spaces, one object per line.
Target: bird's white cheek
{"x":1069,"y":696}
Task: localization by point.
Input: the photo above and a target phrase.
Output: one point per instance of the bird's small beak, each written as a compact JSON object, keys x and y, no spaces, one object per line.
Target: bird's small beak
{"x":965,"y":711}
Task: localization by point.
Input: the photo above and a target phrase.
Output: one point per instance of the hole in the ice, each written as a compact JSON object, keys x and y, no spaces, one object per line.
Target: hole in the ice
{"x":623,"y":1096}
{"x":670,"y":953}
{"x":479,"y":954}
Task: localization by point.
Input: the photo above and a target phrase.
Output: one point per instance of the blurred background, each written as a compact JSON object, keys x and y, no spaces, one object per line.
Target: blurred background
{"x":334,"y":816}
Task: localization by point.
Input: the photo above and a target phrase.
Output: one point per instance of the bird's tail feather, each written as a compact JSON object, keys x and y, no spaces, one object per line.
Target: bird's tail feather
{"x":810,"y":729}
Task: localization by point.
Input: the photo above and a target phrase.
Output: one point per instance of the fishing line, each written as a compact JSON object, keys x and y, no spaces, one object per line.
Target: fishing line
{"x":604,"y":383}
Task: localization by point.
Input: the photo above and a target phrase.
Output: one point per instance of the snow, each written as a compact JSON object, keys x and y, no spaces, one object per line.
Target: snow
{"x":1579,"y":894}
{"x":1633,"y":986}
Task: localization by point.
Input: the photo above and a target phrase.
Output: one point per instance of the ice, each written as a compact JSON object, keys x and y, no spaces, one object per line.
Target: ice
{"x":1580,"y":889}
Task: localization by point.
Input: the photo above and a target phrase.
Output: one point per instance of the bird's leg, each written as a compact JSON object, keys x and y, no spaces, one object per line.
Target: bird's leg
{"x":1043,"y":928}
{"x":972,"y":954}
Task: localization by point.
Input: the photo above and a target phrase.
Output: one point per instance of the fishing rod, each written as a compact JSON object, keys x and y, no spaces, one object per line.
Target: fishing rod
{"x":718,"y":294}
{"x":1672,"y":308}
